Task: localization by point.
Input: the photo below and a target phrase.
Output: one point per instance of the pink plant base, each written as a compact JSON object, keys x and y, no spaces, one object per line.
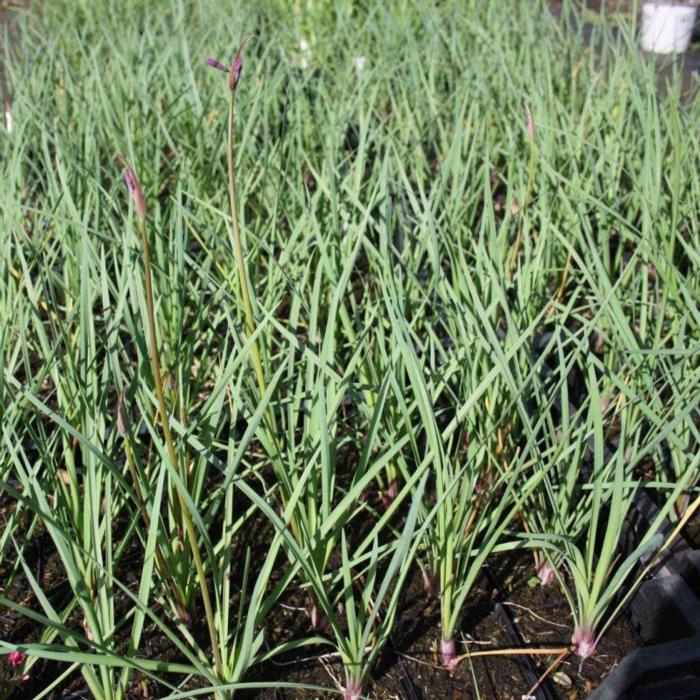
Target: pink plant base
{"x":448,"y":652}
{"x":317,"y":618}
{"x":388,"y":496}
{"x":545,"y":574}
{"x":584,"y":642}
{"x":484,"y":484}
{"x":352,"y":691}
{"x":16,"y":658}
{"x":184,"y":616}
{"x":430,"y":584}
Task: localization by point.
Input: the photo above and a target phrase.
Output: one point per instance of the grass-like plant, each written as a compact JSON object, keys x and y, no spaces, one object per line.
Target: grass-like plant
{"x":591,"y":550}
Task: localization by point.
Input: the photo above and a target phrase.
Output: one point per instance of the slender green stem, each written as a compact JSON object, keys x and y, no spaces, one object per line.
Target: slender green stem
{"x":170,"y":447}
{"x":526,"y":203}
{"x":245,"y":292}
{"x":238,"y":252}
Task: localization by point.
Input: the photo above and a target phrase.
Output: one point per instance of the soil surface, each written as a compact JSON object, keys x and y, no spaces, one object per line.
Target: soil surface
{"x":410,"y":666}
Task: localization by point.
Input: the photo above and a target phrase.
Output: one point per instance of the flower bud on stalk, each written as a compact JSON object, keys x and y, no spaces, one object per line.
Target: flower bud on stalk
{"x":134,"y":188}
{"x":122,"y":421}
{"x":234,"y":72}
{"x":530,"y":127}
{"x":217,"y":64}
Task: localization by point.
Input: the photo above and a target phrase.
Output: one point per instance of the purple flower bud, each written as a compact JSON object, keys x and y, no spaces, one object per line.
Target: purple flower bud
{"x":217,"y":64}
{"x":134,"y":188}
{"x":530,"y":127}
{"x":130,"y":182}
{"x":235,"y":74}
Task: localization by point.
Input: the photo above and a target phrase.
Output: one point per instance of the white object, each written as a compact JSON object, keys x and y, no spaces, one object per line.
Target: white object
{"x":666,"y":27}
{"x":305,"y":54}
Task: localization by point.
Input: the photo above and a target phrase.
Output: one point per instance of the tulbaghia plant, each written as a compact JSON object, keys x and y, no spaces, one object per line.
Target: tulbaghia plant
{"x":360,"y":597}
{"x":236,"y":639}
{"x":476,"y":500}
{"x":597,"y":566}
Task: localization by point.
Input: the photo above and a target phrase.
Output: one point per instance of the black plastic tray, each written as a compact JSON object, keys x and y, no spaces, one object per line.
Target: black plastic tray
{"x":666,"y":613}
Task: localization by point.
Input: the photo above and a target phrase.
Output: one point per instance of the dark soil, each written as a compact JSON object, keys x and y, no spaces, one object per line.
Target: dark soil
{"x":692,"y":530}
{"x":410,"y":668}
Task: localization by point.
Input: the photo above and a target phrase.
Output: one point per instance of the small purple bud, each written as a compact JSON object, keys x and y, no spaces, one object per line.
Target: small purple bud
{"x":235,"y":74}
{"x":236,"y":67}
{"x":530,"y":127}
{"x":134,"y":188}
{"x":234,"y":71}
{"x":122,"y":420}
{"x":217,"y":64}
{"x":130,"y":182}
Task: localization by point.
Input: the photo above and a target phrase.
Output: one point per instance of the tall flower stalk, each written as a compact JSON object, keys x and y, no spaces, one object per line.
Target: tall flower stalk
{"x":244,"y":291}
{"x":140,"y":209}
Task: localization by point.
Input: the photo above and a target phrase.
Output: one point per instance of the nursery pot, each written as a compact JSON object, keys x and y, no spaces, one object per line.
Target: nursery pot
{"x":667,"y":26}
